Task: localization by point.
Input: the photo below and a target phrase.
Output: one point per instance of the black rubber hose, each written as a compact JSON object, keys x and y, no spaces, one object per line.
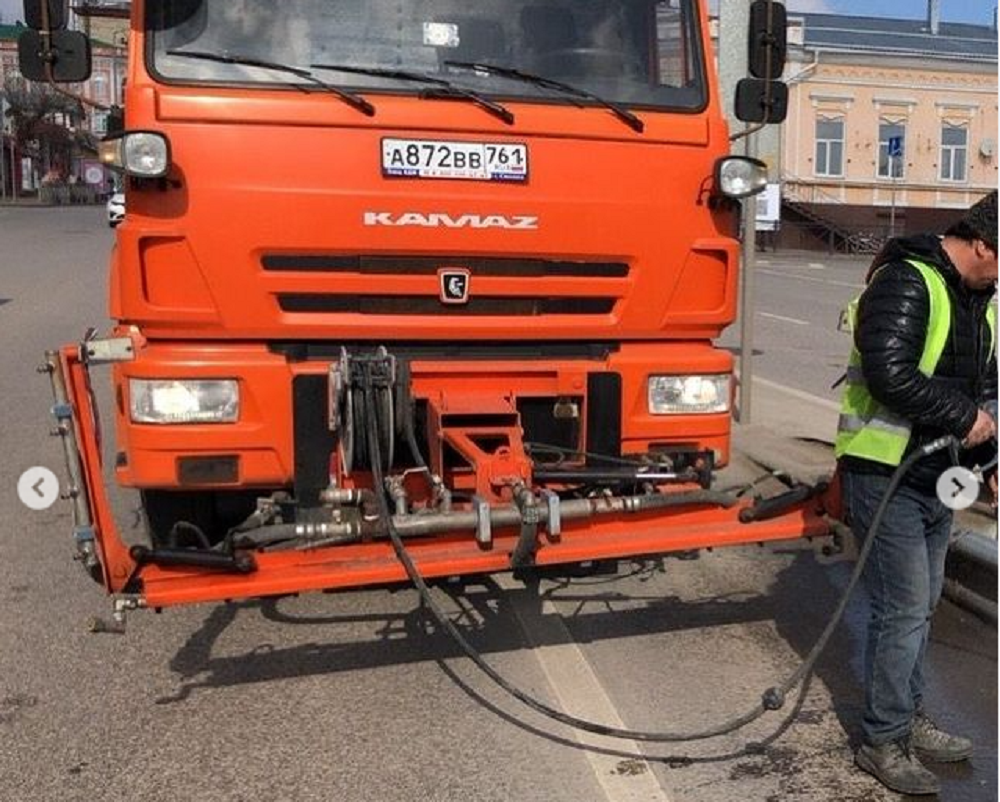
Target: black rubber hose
{"x":181,"y":527}
{"x":772,"y":699}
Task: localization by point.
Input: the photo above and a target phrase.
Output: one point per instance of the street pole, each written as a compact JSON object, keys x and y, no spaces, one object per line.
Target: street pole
{"x":3,"y":149}
{"x":734,"y":19}
{"x":747,"y":304}
{"x":892,"y":196}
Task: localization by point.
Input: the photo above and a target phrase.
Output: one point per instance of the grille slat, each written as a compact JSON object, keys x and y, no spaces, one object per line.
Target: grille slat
{"x":429,"y":265}
{"x":408,"y":305}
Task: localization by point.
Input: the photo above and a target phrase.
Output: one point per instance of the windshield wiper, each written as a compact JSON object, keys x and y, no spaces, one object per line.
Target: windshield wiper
{"x":622,"y":114}
{"x":447,"y":90}
{"x":355,"y":101}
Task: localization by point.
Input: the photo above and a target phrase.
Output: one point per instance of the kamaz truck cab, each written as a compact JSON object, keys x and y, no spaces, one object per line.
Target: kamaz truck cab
{"x":432,"y":271}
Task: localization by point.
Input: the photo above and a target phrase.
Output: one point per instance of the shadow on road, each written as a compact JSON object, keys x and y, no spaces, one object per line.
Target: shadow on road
{"x":798,"y":601}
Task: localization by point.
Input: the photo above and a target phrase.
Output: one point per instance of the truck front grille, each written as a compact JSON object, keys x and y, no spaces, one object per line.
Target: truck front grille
{"x":408,"y":286}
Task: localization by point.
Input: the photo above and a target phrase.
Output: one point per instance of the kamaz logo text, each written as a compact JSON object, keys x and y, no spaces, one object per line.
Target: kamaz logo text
{"x":442,"y":220}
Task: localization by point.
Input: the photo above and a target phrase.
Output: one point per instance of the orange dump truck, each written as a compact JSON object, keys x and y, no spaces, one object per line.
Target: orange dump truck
{"x":443,"y":271}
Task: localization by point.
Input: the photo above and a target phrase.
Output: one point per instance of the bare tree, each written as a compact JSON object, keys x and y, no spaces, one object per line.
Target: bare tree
{"x":41,"y":119}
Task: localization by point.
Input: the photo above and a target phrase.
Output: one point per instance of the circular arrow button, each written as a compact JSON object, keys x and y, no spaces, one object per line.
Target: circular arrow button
{"x":958,"y":488}
{"x":38,"y":488}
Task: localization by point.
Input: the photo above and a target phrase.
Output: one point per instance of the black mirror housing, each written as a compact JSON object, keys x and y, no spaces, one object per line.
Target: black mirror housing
{"x":33,"y":11}
{"x":760,"y":101}
{"x":68,"y":52}
{"x":768,"y":44}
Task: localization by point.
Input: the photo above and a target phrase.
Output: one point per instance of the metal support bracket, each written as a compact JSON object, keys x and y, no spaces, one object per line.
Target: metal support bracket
{"x":112,"y":349}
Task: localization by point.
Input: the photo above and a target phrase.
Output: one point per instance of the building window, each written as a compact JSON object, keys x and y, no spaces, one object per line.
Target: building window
{"x":100,"y":123}
{"x":954,"y":151}
{"x":99,"y":84}
{"x":890,"y":162}
{"x":829,"y":147}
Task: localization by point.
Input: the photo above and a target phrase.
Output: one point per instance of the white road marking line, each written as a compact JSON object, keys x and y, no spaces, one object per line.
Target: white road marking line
{"x":794,"y":320}
{"x":800,"y":394}
{"x":578,"y":689}
{"x":816,"y":266}
{"x":832,"y":282}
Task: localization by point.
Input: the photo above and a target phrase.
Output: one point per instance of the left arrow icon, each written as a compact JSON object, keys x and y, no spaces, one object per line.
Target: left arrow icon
{"x":38,"y":488}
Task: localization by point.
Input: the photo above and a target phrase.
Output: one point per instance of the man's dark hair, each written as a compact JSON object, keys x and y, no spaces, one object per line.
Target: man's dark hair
{"x":980,"y":222}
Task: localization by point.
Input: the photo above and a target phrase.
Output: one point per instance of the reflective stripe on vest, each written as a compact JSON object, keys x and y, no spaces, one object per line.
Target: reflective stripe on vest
{"x":868,"y":429}
{"x":991,"y":320}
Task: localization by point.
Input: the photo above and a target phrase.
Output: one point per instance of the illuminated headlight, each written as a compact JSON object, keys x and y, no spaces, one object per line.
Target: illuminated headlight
{"x":144,"y":154}
{"x":740,"y":177}
{"x":184,"y":400}
{"x":686,"y":395}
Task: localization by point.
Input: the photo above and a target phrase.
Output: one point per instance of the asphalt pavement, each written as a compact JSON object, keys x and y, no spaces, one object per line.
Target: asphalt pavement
{"x":355,"y":696}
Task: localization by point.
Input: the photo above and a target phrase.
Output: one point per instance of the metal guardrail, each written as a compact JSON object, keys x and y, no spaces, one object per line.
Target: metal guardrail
{"x":971,"y":573}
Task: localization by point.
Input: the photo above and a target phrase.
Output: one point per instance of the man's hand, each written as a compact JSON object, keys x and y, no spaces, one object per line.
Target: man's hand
{"x":993,"y":489}
{"x":982,"y":430}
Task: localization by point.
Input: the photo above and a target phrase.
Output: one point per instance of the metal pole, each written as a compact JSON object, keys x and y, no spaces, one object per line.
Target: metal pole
{"x":892,"y":195}
{"x":747,"y":297}
{"x":3,"y":148}
{"x":734,"y":17}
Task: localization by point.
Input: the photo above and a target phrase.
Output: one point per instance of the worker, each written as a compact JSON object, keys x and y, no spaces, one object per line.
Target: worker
{"x":923,"y":366}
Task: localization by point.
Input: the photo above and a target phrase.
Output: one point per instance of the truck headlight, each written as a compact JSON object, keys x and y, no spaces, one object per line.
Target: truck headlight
{"x":143,"y":154}
{"x":740,"y":176}
{"x":184,"y":400}
{"x":687,"y":395}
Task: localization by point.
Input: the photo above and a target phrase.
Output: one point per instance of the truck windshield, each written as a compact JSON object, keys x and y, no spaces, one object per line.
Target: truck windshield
{"x":637,"y":52}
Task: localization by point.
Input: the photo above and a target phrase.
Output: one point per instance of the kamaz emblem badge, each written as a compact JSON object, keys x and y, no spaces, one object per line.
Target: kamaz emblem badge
{"x":454,"y":283}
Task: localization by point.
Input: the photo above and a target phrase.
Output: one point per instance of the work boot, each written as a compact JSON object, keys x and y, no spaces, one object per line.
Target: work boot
{"x":932,"y":743}
{"x":895,"y":766}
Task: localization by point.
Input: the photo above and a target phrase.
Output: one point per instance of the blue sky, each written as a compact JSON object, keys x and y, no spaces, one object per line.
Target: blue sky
{"x":977,"y":11}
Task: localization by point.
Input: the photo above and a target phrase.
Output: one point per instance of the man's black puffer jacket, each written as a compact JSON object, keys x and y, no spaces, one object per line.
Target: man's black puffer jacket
{"x":893,"y":316}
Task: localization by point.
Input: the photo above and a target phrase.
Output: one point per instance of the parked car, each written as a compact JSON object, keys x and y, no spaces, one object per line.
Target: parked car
{"x":116,"y":209}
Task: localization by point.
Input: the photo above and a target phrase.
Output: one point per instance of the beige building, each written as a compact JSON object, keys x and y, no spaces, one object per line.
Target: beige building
{"x":891,"y":128}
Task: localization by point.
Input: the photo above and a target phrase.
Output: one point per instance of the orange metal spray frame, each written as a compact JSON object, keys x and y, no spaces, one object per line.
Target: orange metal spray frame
{"x":347,"y":566}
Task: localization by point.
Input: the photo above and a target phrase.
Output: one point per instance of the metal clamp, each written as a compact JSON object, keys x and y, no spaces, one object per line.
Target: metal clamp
{"x":62,"y":412}
{"x":554,"y":524}
{"x":484,"y":530}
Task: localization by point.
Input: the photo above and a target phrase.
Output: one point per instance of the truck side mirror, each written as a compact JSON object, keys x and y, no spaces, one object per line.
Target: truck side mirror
{"x":768,"y":42}
{"x":33,"y":13}
{"x":760,"y":101}
{"x":68,"y":53}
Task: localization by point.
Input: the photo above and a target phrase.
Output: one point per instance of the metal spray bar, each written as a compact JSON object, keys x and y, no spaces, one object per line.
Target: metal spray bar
{"x":62,"y":410}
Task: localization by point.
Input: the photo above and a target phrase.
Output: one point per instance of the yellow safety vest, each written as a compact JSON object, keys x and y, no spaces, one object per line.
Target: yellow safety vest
{"x":869,"y":429}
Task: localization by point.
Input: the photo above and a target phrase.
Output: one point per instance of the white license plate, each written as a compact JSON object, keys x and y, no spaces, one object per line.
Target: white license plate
{"x":472,"y":161}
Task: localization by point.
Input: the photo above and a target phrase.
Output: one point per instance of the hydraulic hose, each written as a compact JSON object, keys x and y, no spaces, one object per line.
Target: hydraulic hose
{"x":772,"y":699}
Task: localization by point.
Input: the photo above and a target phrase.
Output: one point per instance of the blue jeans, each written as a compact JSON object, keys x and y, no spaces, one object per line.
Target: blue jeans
{"x":904,"y":577}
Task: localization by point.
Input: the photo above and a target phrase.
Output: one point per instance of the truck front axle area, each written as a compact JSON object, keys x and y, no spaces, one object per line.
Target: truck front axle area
{"x":499,"y":510}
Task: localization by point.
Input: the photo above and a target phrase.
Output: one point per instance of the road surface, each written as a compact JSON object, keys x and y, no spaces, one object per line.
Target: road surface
{"x":355,"y":696}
